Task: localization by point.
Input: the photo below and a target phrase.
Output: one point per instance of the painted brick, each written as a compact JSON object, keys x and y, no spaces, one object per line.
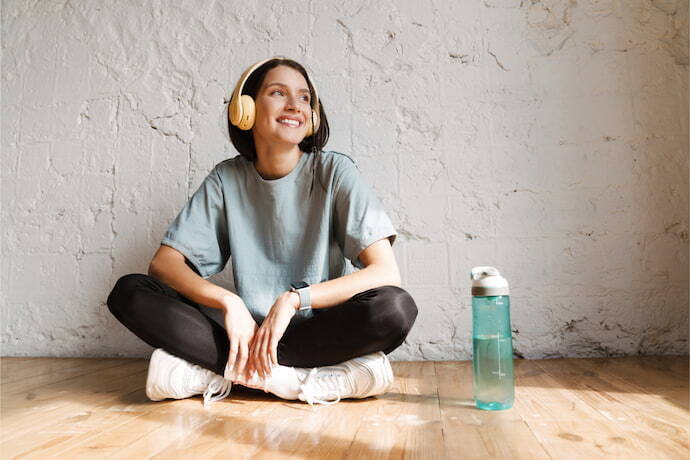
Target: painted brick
{"x":549,"y":139}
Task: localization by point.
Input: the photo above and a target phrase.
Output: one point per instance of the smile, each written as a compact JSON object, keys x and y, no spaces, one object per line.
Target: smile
{"x":289,"y":122}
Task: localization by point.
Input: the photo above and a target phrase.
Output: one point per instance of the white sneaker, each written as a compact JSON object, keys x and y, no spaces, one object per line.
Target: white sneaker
{"x":173,"y":377}
{"x":360,"y":377}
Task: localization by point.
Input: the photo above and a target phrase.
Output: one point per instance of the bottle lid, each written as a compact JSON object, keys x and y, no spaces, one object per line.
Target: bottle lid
{"x":488,"y":281}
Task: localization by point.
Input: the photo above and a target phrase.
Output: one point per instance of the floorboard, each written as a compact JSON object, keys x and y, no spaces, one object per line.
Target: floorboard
{"x":629,"y":407}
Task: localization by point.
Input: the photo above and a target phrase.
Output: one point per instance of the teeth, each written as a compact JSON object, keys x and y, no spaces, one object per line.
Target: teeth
{"x":288,"y":122}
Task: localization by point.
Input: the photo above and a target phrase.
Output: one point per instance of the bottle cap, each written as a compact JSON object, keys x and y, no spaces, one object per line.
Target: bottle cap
{"x":488,"y":281}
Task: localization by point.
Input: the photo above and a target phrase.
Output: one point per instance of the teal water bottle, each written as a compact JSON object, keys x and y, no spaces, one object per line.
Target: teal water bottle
{"x":492,"y":357}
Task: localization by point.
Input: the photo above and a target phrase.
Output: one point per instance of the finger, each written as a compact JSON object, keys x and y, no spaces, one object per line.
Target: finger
{"x":248,"y":371}
{"x":261,"y":352}
{"x":252,"y":342}
{"x":251,"y":366}
{"x":255,"y":356}
{"x":232,"y":356}
{"x":252,"y":351}
{"x":251,"y":361}
{"x":242,"y":358}
{"x":274,"y":352}
{"x":264,"y":355}
{"x":257,"y":353}
{"x":248,"y":365}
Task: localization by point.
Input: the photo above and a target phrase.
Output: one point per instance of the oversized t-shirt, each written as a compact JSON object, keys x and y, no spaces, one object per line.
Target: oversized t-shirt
{"x":300,"y":227}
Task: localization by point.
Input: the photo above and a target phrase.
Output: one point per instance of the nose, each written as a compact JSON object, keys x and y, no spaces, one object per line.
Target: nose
{"x":291,"y":104}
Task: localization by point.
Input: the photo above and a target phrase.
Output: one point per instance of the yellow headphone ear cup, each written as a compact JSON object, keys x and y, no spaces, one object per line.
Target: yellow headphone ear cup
{"x":248,"y":113}
{"x":313,"y":125}
{"x":234,"y":112}
{"x":317,"y":121}
{"x":310,"y":126}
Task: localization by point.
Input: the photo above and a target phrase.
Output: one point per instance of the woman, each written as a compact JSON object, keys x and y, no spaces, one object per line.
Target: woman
{"x":302,"y":325}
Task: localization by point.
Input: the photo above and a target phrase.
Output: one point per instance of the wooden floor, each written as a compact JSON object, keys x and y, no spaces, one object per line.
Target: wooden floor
{"x":634,"y":407}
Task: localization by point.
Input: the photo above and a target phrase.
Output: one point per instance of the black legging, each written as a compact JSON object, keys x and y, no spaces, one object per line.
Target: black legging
{"x":378,"y":319}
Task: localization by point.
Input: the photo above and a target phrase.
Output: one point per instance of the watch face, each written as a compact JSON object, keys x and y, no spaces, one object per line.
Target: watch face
{"x":299,"y":285}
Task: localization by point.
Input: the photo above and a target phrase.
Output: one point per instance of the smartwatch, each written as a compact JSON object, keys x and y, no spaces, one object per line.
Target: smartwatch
{"x":302,"y":289}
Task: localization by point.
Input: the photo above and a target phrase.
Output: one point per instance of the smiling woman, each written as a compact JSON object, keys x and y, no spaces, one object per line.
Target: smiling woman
{"x":304,"y":324}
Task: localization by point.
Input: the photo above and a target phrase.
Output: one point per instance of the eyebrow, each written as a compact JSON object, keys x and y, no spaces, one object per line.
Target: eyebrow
{"x":301,"y":90}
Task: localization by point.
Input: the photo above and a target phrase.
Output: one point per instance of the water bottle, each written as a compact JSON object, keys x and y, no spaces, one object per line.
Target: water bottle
{"x":492,"y":357}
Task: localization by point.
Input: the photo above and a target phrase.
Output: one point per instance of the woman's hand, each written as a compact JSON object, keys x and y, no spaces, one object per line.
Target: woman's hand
{"x":241,"y":328}
{"x":264,"y":346}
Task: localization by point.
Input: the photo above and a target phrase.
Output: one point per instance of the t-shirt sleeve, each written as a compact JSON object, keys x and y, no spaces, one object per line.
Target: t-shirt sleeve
{"x":360,"y":219}
{"x":200,"y":230}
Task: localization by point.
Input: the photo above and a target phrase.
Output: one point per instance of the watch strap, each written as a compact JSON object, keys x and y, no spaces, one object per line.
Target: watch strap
{"x":304,"y":295}
{"x":304,"y":298}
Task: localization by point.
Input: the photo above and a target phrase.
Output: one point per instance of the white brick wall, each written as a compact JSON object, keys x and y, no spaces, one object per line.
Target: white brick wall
{"x":547,"y":138}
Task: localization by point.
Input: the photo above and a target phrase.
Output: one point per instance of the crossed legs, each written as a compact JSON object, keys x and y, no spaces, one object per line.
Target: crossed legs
{"x":378,"y":319}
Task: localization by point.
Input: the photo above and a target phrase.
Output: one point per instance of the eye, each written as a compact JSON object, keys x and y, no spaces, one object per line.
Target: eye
{"x":304,"y":97}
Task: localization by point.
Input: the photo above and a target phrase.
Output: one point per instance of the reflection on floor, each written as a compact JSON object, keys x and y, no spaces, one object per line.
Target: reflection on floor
{"x":632,"y":407}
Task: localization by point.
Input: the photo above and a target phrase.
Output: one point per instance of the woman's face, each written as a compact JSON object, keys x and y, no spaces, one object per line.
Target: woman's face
{"x":283,"y":108}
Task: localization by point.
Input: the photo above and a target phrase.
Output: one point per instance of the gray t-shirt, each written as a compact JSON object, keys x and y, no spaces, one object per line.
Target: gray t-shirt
{"x":279,"y":231}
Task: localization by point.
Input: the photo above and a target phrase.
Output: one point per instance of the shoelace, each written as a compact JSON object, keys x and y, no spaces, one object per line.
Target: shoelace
{"x":218,"y":385}
{"x":318,"y":387}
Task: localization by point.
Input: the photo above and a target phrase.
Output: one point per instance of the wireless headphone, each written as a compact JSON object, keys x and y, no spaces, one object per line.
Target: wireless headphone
{"x":242,"y":109}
